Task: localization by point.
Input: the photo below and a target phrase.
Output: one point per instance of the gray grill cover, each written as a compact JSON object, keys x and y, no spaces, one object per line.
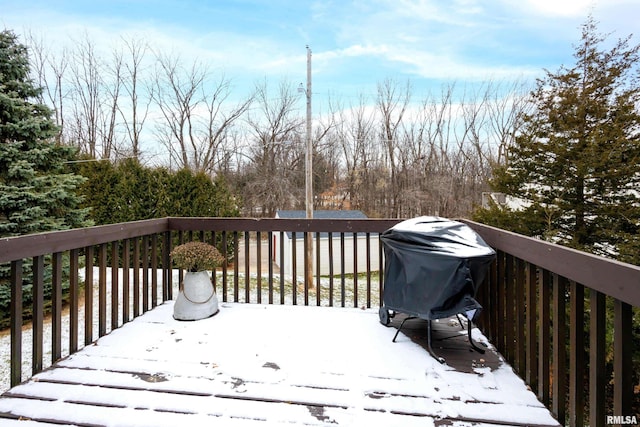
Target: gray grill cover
{"x":433,"y":267}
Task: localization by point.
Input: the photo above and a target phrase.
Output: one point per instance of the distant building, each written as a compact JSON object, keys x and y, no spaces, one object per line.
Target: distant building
{"x":342,"y":262}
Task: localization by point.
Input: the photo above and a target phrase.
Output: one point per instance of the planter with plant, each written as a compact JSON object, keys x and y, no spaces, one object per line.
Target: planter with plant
{"x":197,"y":297}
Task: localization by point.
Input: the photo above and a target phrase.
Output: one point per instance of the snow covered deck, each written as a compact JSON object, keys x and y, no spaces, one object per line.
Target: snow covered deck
{"x":265,"y":365}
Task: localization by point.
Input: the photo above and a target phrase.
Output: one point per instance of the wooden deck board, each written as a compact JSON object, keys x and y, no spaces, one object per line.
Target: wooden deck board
{"x":254,"y":365}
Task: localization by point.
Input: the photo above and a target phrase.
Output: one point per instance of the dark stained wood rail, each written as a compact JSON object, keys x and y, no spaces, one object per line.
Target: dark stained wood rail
{"x":542,"y":301}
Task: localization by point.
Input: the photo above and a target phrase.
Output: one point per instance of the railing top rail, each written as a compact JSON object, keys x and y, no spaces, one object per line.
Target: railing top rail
{"x":283,"y":224}
{"x":15,"y":248}
{"x":610,"y":277}
{"x":613,"y":278}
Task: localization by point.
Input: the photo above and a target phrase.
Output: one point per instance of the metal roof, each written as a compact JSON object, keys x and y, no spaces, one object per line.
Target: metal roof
{"x":322,"y":214}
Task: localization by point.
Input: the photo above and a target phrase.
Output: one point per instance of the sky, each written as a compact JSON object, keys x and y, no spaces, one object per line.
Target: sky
{"x":355,"y":44}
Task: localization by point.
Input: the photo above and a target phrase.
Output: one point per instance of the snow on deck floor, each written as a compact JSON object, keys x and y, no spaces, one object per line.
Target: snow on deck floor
{"x":264,"y":365}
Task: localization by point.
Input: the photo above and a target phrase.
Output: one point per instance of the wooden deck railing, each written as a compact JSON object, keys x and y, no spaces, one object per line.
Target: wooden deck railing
{"x":545,"y":306}
{"x":547,"y":309}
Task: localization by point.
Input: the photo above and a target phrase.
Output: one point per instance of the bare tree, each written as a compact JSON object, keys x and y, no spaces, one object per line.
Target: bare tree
{"x":177,"y":94}
{"x":218,"y":123}
{"x":392,"y":103}
{"x":86,"y":87}
{"x":355,"y":132}
{"x":109,"y":114}
{"x":275,"y":171}
{"x":196,"y":112}
{"x":133,"y":83}
{"x":49,"y":69}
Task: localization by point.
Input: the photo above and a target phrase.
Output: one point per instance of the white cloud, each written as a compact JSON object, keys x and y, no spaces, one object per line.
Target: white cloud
{"x":560,"y":8}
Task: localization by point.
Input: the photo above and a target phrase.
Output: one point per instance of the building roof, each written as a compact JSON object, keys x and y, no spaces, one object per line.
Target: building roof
{"x":322,"y":214}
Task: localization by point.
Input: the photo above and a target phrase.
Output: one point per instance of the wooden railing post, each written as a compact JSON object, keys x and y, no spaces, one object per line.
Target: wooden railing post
{"x":88,"y":295}
{"x":532,"y":326}
{"x":576,"y":355}
{"x":544,"y":325}
{"x":597,"y":341}
{"x":102,"y":290}
{"x":16,"y":323}
{"x":559,"y":349}
{"x":73,"y":300}
{"x":520,"y":318}
{"x":37,"y":314}
{"x":500,"y":335}
{"x":622,"y":354}
{"x":56,"y":307}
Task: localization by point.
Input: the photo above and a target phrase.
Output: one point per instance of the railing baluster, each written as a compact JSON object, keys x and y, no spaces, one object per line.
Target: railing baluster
{"x":500,"y":335}
{"x":236,"y":268}
{"x":270,"y":260}
{"x":73,"y":300}
{"x":259,"y":266}
{"x":520,"y":323}
{"x":294,"y":268}
{"x":136,"y":277}
{"x":381,"y":262}
{"x":88,"y":295}
{"x":56,"y":307}
{"x":355,"y":269}
{"x":597,"y":371}
{"x":494,"y":298}
{"x":115,"y":300}
{"x":342,"y":274}
{"x":145,"y":274}
{"x":225,"y":266}
{"x":330,"y":242}
{"x":306,"y":284}
{"x":38,"y":313}
{"x":576,"y":355}
{"x":16,"y":323}
{"x":154,"y":270}
{"x":368,"y":261}
{"x":270,"y":257}
{"x":247,"y":271}
{"x":180,"y":272}
{"x":126,"y":254}
{"x":214,"y":273}
{"x":167,"y":277}
{"x":532,"y":343}
{"x":318,"y":271}
{"x":282,"y":270}
{"x":559,"y":349}
{"x":102,"y":290}
{"x":543,"y":336}
{"x":509,"y":308}
{"x":622,"y":363}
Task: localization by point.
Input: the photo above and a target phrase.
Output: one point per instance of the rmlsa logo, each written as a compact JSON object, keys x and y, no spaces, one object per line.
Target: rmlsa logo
{"x":622,"y":419}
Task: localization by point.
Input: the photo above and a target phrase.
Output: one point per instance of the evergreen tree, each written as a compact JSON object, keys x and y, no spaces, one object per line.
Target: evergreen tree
{"x":127,"y":191}
{"x":37,"y":192}
{"x":577,"y":158}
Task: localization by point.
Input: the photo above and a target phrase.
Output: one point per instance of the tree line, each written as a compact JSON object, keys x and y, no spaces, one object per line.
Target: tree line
{"x":566,"y":147}
{"x":390,"y":154}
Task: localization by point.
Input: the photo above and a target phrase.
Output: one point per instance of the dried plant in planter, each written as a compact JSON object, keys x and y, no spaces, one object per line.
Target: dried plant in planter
{"x":196,"y":256}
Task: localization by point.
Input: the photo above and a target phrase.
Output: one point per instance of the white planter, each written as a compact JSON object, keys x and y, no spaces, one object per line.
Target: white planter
{"x":197,"y":298}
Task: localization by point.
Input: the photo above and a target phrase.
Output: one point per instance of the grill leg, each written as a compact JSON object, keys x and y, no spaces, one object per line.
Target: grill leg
{"x":401,"y":325}
{"x":471,"y":341}
{"x":429,"y":348}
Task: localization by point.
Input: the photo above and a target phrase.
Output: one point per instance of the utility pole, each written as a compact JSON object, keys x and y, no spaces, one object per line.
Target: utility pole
{"x":308,"y":258}
{"x":309,"y":155}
